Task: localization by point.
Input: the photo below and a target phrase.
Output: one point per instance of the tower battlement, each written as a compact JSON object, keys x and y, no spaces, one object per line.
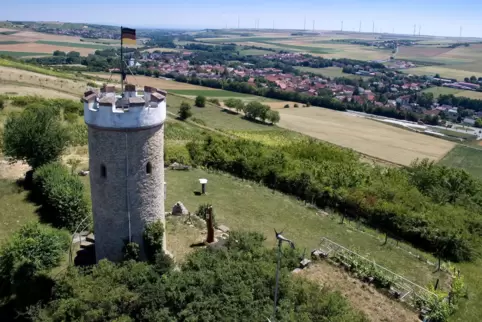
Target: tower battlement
{"x":105,"y":109}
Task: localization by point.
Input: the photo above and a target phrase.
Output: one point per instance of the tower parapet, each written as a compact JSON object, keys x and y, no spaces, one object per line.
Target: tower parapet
{"x":105,"y":109}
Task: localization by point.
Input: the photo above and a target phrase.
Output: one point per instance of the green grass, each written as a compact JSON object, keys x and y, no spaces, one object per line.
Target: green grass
{"x":244,"y":205}
{"x":255,"y":52}
{"x":72,"y":44}
{"x":15,"y":210}
{"x":466,"y":136}
{"x":437,"y":91}
{"x":330,"y":72}
{"x":218,"y":93}
{"x":21,"y":53}
{"x":215,"y":117}
{"x":465,"y":158}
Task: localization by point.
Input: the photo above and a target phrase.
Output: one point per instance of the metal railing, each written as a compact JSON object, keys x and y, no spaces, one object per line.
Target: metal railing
{"x":80,"y":227}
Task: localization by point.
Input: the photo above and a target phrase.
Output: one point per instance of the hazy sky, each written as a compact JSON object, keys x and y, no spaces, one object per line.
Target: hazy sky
{"x":436,"y":17}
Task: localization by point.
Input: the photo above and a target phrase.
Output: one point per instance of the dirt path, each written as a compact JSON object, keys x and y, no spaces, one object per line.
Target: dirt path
{"x":12,"y":171}
{"x":363,"y":297}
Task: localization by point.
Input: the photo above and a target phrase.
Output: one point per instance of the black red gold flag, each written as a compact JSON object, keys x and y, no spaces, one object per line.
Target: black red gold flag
{"x":128,"y":36}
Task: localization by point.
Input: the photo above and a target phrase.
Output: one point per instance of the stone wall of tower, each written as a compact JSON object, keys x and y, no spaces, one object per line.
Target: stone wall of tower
{"x":123,"y":193}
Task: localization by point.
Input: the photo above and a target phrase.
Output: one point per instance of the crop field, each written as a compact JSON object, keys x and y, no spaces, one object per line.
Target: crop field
{"x":443,"y":71}
{"x":254,"y":52}
{"x":368,"y":137}
{"x":330,"y":72}
{"x":14,"y":77}
{"x":22,"y":53}
{"x":465,"y":157}
{"x":19,"y":90}
{"x":438,"y":90}
{"x":420,"y":52}
{"x":37,"y":43}
{"x":72,"y":44}
{"x":470,"y":94}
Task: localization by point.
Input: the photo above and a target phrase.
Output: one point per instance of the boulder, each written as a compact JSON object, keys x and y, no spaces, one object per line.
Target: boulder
{"x":179,"y":209}
{"x":223,"y":228}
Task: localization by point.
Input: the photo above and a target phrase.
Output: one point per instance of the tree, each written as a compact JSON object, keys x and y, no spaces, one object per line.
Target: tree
{"x":473,"y":79}
{"x":26,"y":259}
{"x":478,"y":123}
{"x":200,"y":101}
{"x":287,"y":106}
{"x":59,"y":53}
{"x":273,"y":117}
{"x":184,"y":111}
{"x":35,"y":136}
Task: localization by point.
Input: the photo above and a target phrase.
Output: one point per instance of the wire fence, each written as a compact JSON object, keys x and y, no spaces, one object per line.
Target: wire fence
{"x":408,"y":291}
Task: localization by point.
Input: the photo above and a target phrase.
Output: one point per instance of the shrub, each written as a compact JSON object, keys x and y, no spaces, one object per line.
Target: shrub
{"x":32,"y":251}
{"x":296,"y":105}
{"x":287,"y":106}
{"x":131,"y":251}
{"x":23,"y":101}
{"x":198,"y":121}
{"x":202,"y":212}
{"x":176,"y":153}
{"x":153,"y":239}
{"x":215,"y":101}
{"x":92,"y":84}
{"x":35,"y":136}
{"x":78,"y":134}
{"x":200,"y":101}
{"x":71,"y":118}
{"x":184,"y":111}
{"x":61,"y":194}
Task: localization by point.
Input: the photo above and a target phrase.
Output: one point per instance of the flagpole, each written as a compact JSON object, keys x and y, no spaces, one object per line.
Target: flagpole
{"x":122,"y":67}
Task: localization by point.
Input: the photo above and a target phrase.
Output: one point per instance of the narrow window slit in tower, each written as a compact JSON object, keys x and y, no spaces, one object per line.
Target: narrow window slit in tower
{"x":148,"y":168}
{"x":103,"y":171}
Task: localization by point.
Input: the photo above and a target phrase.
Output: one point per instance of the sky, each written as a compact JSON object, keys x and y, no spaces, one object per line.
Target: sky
{"x":435,"y":17}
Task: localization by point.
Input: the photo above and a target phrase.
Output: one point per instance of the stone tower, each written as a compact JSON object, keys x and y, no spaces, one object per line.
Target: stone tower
{"x":126,"y":163}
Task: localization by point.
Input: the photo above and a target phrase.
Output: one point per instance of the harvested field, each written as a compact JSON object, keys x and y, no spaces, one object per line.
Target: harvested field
{"x":377,"y":306}
{"x":375,"y":139}
{"x":19,"y":90}
{"x":470,"y":94}
{"x":43,"y":48}
{"x":12,"y":77}
{"x":420,"y":52}
{"x":447,"y":72}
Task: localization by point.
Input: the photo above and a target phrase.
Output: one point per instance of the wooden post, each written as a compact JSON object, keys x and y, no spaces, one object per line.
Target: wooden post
{"x":436,"y":284}
{"x":210,"y":225}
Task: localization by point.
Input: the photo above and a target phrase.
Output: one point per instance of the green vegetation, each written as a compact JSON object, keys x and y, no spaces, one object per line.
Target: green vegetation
{"x":402,"y":202}
{"x":200,"y":101}
{"x":331,"y":72}
{"x":61,"y":195}
{"x":464,"y":157}
{"x":26,"y":261}
{"x":234,"y":283}
{"x":72,"y":44}
{"x":465,"y":136}
{"x":437,"y":91}
{"x":210,"y":93}
{"x":153,"y":239}
{"x":37,"y":126}
{"x":254,"y":52}
{"x":37,"y":69}
{"x":184,"y":111}
{"x":21,"y":53}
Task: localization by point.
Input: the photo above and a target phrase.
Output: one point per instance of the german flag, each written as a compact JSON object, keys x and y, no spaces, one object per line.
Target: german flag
{"x":128,"y":36}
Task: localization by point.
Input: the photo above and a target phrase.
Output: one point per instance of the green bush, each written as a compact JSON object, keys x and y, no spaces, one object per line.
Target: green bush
{"x":200,"y":101}
{"x":198,"y":121}
{"x":153,"y":239}
{"x":36,"y":136}
{"x":202,"y":212}
{"x":131,"y":251}
{"x":215,"y":101}
{"x":176,"y":153}
{"x":234,"y":283}
{"x":34,"y":250}
{"x":184,"y":111}
{"x":71,"y":118}
{"x":23,"y":101}
{"x":92,"y":84}
{"x":62,"y":196}
{"x":78,"y":134}
{"x":431,"y":207}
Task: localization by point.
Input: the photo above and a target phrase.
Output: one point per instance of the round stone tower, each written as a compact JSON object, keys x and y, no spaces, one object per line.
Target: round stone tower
{"x":126,"y":163}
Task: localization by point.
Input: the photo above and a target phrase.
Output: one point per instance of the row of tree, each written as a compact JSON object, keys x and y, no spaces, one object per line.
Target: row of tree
{"x":254,"y":110}
{"x":433,"y":207}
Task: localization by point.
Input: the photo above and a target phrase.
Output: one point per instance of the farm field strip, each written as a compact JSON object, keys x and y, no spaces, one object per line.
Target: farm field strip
{"x":443,"y":71}
{"x":73,"y":44}
{"x":366,"y":136}
{"x":34,"y":48}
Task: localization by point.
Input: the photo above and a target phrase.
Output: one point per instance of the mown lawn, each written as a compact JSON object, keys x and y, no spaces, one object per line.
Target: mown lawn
{"x":466,"y":158}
